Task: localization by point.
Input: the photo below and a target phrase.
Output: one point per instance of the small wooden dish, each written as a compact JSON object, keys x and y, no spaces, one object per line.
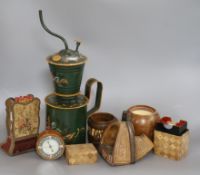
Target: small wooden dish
{"x":97,"y":123}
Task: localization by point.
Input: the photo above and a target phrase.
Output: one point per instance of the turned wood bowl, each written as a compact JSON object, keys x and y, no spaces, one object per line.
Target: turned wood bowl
{"x":97,"y":123}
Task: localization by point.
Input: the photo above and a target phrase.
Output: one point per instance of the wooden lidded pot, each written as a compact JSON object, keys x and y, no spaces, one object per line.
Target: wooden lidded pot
{"x":144,"y":119}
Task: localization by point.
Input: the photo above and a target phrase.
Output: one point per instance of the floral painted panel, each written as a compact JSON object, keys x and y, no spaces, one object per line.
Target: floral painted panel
{"x":26,"y":119}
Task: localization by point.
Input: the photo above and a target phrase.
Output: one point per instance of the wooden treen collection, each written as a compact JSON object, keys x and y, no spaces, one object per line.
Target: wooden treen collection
{"x":68,"y":121}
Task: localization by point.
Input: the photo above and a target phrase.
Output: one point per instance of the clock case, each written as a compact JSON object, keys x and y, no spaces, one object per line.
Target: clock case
{"x":46,"y":133}
{"x":22,"y":122}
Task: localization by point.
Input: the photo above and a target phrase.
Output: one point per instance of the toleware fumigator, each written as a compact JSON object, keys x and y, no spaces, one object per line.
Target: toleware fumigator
{"x":67,"y":107}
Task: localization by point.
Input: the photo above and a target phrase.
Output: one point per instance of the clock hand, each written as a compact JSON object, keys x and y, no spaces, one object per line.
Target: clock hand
{"x":50,"y":146}
{"x":51,"y":150}
{"x":48,"y":143}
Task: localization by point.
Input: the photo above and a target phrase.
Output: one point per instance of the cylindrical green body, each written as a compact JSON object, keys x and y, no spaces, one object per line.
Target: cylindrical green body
{"x":67,"y":79}
{"x":68,"y":120}
{"x":70,"y":123}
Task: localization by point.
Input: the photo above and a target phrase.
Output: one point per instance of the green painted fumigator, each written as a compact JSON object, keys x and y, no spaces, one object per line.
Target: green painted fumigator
{"x":66,"y":108}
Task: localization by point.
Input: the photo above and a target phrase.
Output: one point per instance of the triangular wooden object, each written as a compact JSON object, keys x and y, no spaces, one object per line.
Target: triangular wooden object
{"x":115,"y":146}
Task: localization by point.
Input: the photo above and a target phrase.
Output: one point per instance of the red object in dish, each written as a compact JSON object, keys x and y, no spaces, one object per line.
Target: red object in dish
{"x":165,"y":120}
{"x":181,"y":123}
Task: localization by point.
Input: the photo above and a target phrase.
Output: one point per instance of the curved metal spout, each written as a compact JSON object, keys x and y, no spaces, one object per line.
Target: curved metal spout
{"x":50,"y":32}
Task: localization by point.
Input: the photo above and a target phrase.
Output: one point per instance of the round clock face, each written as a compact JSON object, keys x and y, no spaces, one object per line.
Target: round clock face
{"x":50,"y":147}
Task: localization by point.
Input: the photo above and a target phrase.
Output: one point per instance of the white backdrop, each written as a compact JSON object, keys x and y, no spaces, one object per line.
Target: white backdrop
{"x":144,"y":52}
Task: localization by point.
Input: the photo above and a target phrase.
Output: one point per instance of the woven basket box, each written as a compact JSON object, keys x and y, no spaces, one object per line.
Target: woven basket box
{"x":81,"y":154}
{"x":171,"y":146}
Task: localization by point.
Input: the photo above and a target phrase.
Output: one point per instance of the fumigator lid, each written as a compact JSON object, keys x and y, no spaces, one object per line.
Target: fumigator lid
{"x":65,"y":57}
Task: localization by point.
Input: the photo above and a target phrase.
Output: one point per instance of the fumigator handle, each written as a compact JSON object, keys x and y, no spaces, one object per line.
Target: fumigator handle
{"x":88,"y":88}
{"x":50,"y":32}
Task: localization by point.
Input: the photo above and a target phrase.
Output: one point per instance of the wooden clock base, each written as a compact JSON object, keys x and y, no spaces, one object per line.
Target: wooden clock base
{"x":12,"y":147}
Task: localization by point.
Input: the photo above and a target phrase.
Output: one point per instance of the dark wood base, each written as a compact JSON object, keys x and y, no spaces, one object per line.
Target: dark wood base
{"x":12,"y":147}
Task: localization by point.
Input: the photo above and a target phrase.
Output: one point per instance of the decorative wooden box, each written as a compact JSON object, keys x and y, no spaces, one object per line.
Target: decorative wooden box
{"x":22,"y":122}
{"x":81,"y":154}
{"x":171,"y":146}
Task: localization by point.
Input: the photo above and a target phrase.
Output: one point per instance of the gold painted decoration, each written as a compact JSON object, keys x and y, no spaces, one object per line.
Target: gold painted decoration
{"x":56,"y":58}
{"x":70,"y":137}
{"x":79,"y":101}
